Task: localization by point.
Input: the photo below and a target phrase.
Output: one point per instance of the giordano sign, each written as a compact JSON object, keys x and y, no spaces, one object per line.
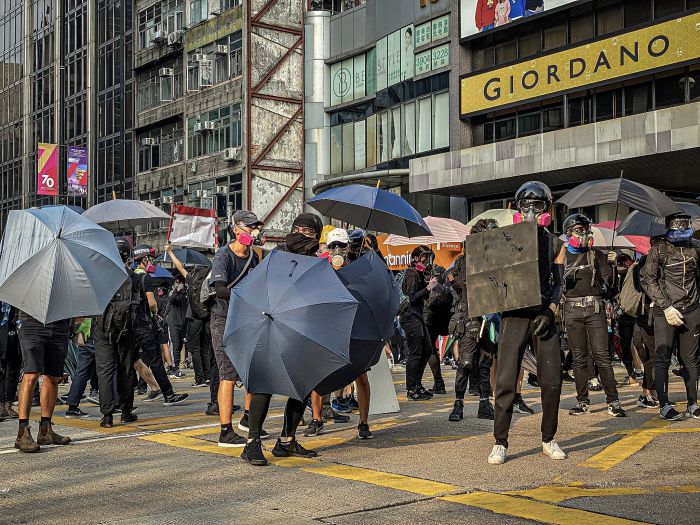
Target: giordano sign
{"x":661,"y":45}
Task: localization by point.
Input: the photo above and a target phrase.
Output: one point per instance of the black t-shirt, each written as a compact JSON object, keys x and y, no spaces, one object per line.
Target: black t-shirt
{"x":225,"y":269}
{"x":579,"y":275}
{"x":144,"y":282}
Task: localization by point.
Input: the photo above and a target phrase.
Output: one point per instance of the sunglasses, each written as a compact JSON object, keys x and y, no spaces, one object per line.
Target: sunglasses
{"x":341,"y":245}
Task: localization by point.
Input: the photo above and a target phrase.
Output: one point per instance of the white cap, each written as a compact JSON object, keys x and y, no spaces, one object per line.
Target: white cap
{"x":337,"y":235}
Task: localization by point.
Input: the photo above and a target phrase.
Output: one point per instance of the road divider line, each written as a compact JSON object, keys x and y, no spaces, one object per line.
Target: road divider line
{"x":559,"y":493}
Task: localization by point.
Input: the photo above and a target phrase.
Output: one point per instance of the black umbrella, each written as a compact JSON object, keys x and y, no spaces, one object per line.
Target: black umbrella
{"x":638,"y":223}
{"x":187,"y":257}
{"x":289,"y":324}
{"x":370,"y":282}
{"x":621,"y":191}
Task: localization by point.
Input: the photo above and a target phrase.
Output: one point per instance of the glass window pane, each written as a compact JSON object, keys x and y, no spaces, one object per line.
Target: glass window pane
{"x":528,"y":123}
{"x":360,"y":145}
{"x":336,"y":150}
{"x":409,"y":119}
{"x":638,"y":98}
{"x":670,"y":90}
{"x":506,"y":51}
{"x":441,"y":121}
{"x":336,"y":92}
{"x":581,"y":28}
{"x":371,"y":71}
{"x":555,"y":37}
{"x":396,"y":133}
{"x":424,"y":121}
{"x":694,"y":80}
{"x":667,"y":7}
{"x":383,"y":144}
{"x":505,"y":128}
{"x":637,"y":12}
{"x":609,"y":20}
{"x":608,"y":104}
{"x":347,"y":80}
{"x":529,"y":45}
{"x":348,"y":148}
{"x":372,"y":140}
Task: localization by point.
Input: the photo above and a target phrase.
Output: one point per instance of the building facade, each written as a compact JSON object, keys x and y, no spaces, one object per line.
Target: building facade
{"x":570,"y":91}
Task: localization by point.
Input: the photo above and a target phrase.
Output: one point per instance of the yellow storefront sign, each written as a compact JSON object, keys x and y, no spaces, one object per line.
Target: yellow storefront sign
{"x":669,"y":43}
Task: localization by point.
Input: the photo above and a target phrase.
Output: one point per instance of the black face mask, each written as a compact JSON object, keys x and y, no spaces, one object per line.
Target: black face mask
{"x":301,"y":244}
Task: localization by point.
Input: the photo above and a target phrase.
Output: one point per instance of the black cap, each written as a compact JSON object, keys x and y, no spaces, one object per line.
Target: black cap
{"x":247,"y":218}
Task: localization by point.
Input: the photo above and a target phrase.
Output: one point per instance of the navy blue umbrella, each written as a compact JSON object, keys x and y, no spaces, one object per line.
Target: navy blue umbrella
{"x":638,"y":223}
{"x":288,"y":325}
{"x":186,"y":256}
{"x":369,"y":280}
{"x":371,"y":208}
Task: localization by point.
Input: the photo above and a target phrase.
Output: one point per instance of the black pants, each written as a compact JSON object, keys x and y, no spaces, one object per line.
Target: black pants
{"x":114,"y":359}
{"x":475,"y":357}
{"x":434,"y":359}
{"x":419,"y":350}
{"x":198,"y":344}
{"x":625,"y":327}
{"x":516,"y":332}
{"x":9,"y":370}
{"x":259,"y":405}
{"x":645,"y":344}
{"x":151,"y":355}
{"x":588,"y":335}
{"x":178,"y":333}
{"x":687,"y":335}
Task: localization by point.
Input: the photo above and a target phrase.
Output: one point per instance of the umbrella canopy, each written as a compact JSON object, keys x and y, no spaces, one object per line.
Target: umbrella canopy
{"x":641,"y":243}
{"x":186,"y":256}
{"x":444,"y":230}
{"x":501,"y":216}
{"x":289,"y":325}
{"x":603,"y":237}
{"x":160,"y":273}
{"x":369,"y":281}
{"x":622,"y":191}
{"x":638,"y":223}
{"x":76,"y":209}
{"x":56,"y":264}
{"x":371,"y":209}
{"x":124,"y":214}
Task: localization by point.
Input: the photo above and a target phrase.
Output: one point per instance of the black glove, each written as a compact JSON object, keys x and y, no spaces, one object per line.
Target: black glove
{"x":541,"y":323}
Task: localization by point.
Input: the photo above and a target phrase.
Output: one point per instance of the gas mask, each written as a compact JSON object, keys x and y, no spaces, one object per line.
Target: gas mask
{"x":533,"y":211}
{"x":679,"y":230}
{"x":581,"y":238}
{"x":150,"y":267}
{"x":245,"y":238}
{"x":338,"y":254}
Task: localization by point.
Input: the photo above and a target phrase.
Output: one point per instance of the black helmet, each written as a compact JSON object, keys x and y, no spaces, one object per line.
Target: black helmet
{"x":678,"y":221}
{"x":420,"y":250}
{"x":576,"y":219}
{"x":124,"y":248}
{"x":534,"y":190}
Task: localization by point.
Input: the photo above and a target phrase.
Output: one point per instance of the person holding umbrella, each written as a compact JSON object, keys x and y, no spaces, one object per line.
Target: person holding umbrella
{"x":670,"y":279}
{"x":588,"y":278}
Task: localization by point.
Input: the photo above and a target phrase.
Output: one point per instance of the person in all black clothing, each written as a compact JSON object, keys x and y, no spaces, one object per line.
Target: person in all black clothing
{"x":10,"y":360}
{"x":670,"y":279}
{"x":535,"y":325}
{"x":176,"y":317}
{"x":588,"y":279}
{"x":420,"y":347}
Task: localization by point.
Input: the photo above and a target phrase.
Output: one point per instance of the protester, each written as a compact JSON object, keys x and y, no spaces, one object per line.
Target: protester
{"x":10,"y":360}
{"x":670,"y":278}
{"x":588,"y":280}
{"x":534,"y":324}
{"x":176,"y":319}
{"x":85,"y":366}
{"x":437,"y":314}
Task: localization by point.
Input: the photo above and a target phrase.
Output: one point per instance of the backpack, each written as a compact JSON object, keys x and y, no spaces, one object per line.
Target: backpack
{"x":404,"y":304}
{"x":119,"y":314}
{"x":207,"y":294}
{"x":630,"y":296}
{"x":200,"y":310}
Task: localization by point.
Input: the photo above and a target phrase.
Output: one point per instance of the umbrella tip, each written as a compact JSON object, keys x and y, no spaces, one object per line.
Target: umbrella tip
{"x":268,"y":315}
{"x":58,"y":235}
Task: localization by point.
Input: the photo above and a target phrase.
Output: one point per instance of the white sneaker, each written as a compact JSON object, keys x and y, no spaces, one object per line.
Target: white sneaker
{"x":498,"y":455}
{"x":553,"y":451}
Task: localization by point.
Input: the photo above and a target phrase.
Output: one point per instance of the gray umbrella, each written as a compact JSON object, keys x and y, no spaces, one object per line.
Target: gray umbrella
{"x":124,"y":214}
{"x":289,"y":325}
{"x":638,"y":223}
{"x":55,"y":264}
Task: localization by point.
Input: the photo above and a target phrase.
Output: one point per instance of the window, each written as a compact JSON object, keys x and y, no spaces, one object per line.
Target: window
{"x":336,"y":150}
{"x":669,"y":90}
{"x":424,"y":124}
{"x":608,"y":20}
{"x":409,"y":119}
{"x":693,"y":87}
{"x":581,"y":28}
{"x":608,"y":104}
{"x":553,"y":116}
{"x":371,"y":140}
{"x":506,"y":51}
{"x":637,"y":12}
{"x":348,"y":148}
{"x":554,"y":37}
{"x":529,"y":44}
{"x":505,"y":127}
{"x":529,"y":123}
{"x":482,"y":57}
{"x":214,"y":131}
{"x":580,"y":109}
{"x":441,"y":121}
{"x":383,"y":137}
{"x":664,"y":8}
{"x":638,"y":97}
{"x":198,"y":11}
{"x":395,"y":132}
{"x":149,"y":22}
{"x":360,"y":152}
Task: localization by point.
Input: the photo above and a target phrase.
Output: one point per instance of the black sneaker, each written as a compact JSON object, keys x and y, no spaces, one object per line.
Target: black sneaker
{"x":438,"y":390}
{"x":212,"y":409}
{"x":567,"y":378}
{"x":230,"y":439}
{"x":174,"y":399}
{"x":141,"y":391}
{"x":198,"y":384}
{"x":128,"y":416}
{"x":579,"y":409}
{"x":521,"y":407}
{"x":329,"y":414}
{"x":235,"y":408}
{"x":647,"y":402}
{"x":594,"y":385}
{"x":615,"y":410}
{"x":485,"y":410}
{"x":352,"y":403}
{"x":253,"y":453}
{"x":314,"y":429}
{"x":669,"y":413}
{"x":75,"y":413}
{"x":425,"y":392}
{"x":363,"y":431}
{"x":417,"y":395}
{"x":153,"y":395}
{"x":457,"y":413}
{"x":107,"y":421}
{"x":292,"y":448}
{"x":473,"y":391}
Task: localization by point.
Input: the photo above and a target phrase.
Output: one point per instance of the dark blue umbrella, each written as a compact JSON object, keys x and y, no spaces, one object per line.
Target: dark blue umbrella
{"x":638,"y":223}
{"x":371,"y":208}
{"x":186,"y":256}
{"x":369,"y":280}
{"x":160,"y":273}
{"x":288,"y":325}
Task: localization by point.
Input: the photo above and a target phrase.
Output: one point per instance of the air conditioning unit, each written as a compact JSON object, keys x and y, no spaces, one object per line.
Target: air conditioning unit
{"x":232,"y":154}
{"x":222,"y":50}
{"x":201,"y":194}
{"x":166,"y":72}
{"x":167,"y":199}
{"x":158,"y":36}
{"x":221,"y":190}
{"x":149,"y":141}
{"x":206,"y":125}
{"x":199,"y":57}
{"x":175,"y":38}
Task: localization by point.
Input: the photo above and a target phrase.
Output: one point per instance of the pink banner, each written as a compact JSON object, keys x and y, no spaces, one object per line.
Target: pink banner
{"x":47,"y":178}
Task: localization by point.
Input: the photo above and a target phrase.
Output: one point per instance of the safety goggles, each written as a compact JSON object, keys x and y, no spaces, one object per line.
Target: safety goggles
{"x":681,"y":223}
{"x":337,"y":244}
{"x":580,"y":230}
{"x":309,"y":232}
{"x":528,"y":205}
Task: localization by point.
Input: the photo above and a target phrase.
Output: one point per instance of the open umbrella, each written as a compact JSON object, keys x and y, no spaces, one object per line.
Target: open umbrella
{"x":638,"y":223}
{"x":621,"y":191}
{"x":502,"y":216}
{"x":289,"y":325}
{"x":371,"y":209}
{"x":186,"y":256}
{"x":444,"y":230}
{"x":641,"y":243}
{"x":124,"y":214}
{"x":55,"y":264}
{"x":369,"y":281}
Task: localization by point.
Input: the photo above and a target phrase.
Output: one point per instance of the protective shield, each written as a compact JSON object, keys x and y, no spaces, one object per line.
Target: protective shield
{"x":502,"y":271}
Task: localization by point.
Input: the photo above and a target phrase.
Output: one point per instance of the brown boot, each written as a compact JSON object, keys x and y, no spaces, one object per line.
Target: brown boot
{"x":11,"y":413}
{"x":48,"y":437}
{"x":25,"y":442}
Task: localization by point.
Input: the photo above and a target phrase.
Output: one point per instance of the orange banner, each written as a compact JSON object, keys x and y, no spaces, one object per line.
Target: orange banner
{"x":398,"y":257}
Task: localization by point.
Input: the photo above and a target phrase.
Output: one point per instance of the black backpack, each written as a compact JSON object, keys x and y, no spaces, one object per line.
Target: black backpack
{"x":200,"y":309}
{"x":119,"y":315}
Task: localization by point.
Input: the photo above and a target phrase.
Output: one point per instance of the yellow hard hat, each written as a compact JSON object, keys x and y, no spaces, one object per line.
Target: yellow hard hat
{"x":324,"y":233}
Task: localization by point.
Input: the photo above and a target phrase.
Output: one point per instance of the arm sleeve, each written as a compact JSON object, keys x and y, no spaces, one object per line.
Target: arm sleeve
{"x":649,"y":277}
{"x":607,"y":275}
{"x":412,"y":288}
{"x":558,"y":288}
{"x":222,"y":291}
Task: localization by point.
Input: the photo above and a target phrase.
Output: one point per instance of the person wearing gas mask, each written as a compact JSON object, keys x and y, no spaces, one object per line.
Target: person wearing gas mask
{"x":533,"y":325}
{"x":588,"y":278}
{"x":670,"y":279}
{"x":176,"y":318}
{"x":303,"y":240}
{"x":417,"y":289}
{"x":625,"y":323}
